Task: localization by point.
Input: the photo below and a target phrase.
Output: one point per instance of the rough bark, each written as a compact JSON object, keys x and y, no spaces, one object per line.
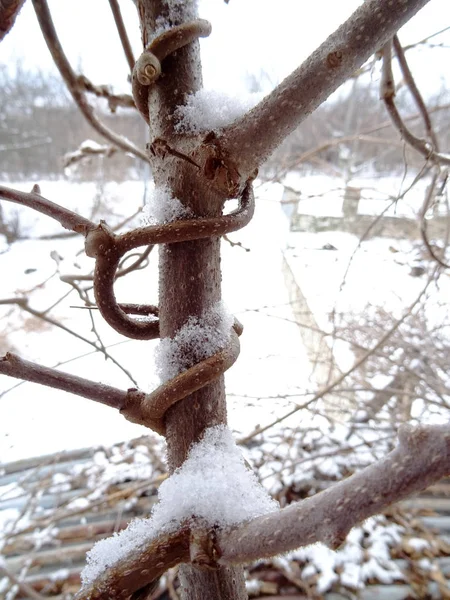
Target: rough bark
{"x":189,"y":276}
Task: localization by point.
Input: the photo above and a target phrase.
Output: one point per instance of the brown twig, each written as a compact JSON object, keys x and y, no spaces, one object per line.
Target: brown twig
{"x":71,"y":80}
{"x":23,"y":304}
{"x":17,"y":367}
{"x":22,"y":585}
{"x":108,"y":249}
{"x":104,"y":91}
{"x":331,"y":386}
{"x":387,"y":94}
{"x":136,"y":406}
{"x":429,"y":195}
{"x":64,"y":216}
{"x":121,"y":30}
{"x":417,"y":96}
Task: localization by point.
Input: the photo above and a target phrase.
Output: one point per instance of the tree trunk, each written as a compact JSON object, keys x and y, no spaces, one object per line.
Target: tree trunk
{"x":189,"y":274}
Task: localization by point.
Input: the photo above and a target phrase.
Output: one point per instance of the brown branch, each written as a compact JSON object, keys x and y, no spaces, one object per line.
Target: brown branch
{"x":104,"y":91}
{"x":14,"y":366}
{"x":107,"y":249}
{"x":421,"y":458}
{"x":387,"y":94}
{"x":121,"y":30}
{"x":423,"y":221}
{"x":73,"y":85}
{"x":417,"y":96}
{"x":33,"y":199}
{"x":23,"y":304}
{"x":140,"y":568}
{"x":250,"y":140}
{"x":9,"y":9}
{"x":136,"y":406}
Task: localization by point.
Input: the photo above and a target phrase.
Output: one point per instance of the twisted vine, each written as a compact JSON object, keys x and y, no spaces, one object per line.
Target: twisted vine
{"x":148,"y":66}
{"x":108,"y":248}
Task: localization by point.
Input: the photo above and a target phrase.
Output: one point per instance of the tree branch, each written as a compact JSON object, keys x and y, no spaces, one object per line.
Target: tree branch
{"x":121,"y":30}
{"x":140,"y":568}
{"x":14,"y":366}
{"x":71,"y":80}
{"x":67,"y":218}
{"x":9,"y":9}
{"x":387,"y":94}
{"x":421,"y":458}
{"x":250,"y":140}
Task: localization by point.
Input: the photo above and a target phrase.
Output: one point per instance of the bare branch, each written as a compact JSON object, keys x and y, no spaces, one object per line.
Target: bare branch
{"x":108,"y":249}
{"x":387,"y":93}
{"x":140,"y":568}
{"x":429,"y":196}
{"x":33,"y":199}
{"x":250,"y":140}
{"x":410,"y":82}
{"x":421,"y":458}
{"x":104,"y":91}
{"x":9,"y":9}
{"x":14,"y":366}
{"x":23,"y":304}
{"x":121,"y":30}
{"x":73,"y":85}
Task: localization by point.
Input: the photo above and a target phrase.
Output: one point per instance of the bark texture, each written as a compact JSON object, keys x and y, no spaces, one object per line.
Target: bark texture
{"x":189,"y":274}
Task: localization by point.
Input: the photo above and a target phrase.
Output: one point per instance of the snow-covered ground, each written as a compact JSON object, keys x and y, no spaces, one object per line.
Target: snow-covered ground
{"x":37,"y":420}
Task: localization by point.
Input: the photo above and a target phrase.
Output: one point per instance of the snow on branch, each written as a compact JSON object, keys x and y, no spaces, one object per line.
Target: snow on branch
{"x":421,"y":458}
{"x":249,"y":141}
{"x":212,"y":489}
{"x":216,"y":511}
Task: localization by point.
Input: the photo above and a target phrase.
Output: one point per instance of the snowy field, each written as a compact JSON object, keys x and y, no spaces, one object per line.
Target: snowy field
{"x":273,"y":362}
{"x":36,"y":420}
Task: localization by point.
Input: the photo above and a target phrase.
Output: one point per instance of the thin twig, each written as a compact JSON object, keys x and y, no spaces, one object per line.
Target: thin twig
{"x":67,"y":218}
{"x":328,"y":388}
{"x":23,"y":304}
{"x":387,"y":93}
{"x":121,"y":30}
{"x":17,"y":367}
{"x":71,"y":80}
{"x":417,"y":96}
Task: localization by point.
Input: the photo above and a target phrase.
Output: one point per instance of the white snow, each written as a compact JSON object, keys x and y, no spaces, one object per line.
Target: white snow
{"x":195,"y":341}
{"x":212,"y":487}
{"x":210,"y":110}
{"x":162,"y":207}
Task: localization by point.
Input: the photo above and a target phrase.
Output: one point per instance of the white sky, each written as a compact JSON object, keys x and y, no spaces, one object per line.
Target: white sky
{"x":248,"y":36}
